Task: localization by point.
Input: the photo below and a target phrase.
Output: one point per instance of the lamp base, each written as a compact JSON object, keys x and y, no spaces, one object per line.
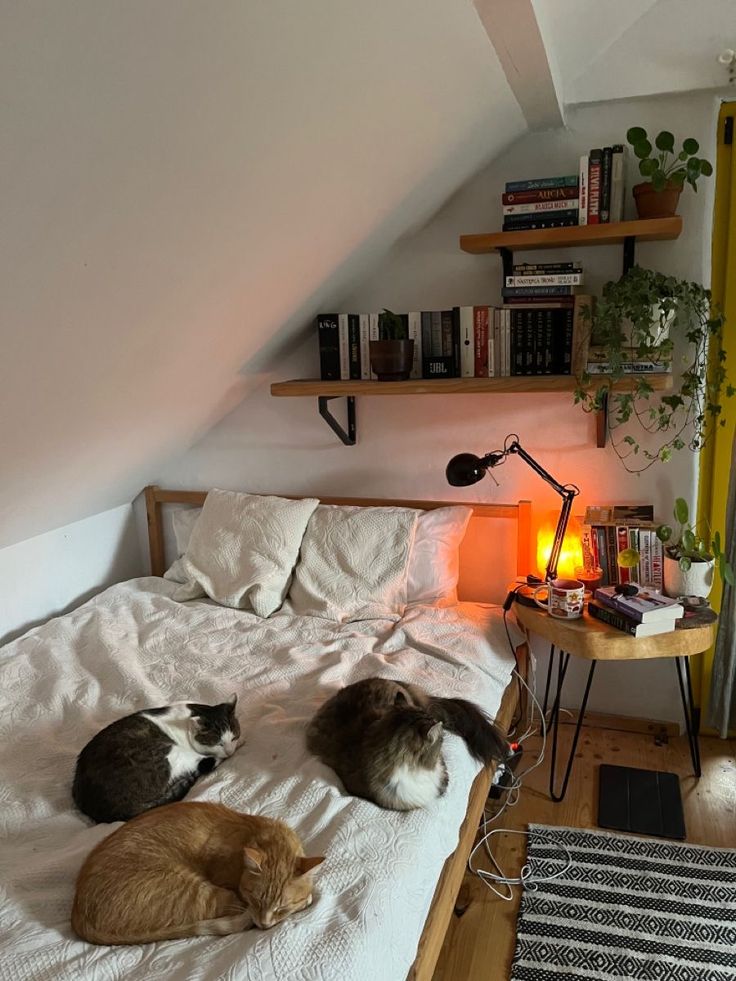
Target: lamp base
{"x":524,"y":596}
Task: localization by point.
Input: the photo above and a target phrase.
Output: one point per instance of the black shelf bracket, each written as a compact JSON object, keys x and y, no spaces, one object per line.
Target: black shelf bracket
{"x":349,"y":437}
{"x":507,"y":260}
{"x":629,"y":252}
{"x":601,"y":423}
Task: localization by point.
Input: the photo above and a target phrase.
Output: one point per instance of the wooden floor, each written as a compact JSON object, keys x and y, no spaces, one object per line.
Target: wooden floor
{"x":479,"y":945}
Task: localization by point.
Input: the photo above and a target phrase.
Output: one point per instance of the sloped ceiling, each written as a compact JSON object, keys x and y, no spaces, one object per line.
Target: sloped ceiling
{"x":185,"y":184}
{"x":606,"y":50}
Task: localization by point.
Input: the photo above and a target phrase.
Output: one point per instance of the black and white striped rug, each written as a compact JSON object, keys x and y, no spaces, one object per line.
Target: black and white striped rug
{"x":627,"y":908}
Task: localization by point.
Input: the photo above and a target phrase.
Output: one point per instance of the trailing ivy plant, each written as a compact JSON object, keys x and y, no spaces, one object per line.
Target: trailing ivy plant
{"x":647,"y":316}
{"x":665,"y":166}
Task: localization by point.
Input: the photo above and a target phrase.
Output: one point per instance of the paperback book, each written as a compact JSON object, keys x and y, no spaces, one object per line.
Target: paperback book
{"x":626,"y":624}
{"x":646,"y":606}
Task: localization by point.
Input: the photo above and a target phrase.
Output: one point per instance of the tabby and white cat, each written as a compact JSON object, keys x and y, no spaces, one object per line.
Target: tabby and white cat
{"x":384,"y":740}
{"x":191,"y":869}
{"x":152,"y":757}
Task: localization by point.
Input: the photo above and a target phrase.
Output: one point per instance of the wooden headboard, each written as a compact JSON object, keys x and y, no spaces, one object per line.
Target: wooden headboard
{"x":521,"y":512}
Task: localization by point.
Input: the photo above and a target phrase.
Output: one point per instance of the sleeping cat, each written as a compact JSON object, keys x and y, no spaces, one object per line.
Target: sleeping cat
{"x":152,"y":757}
{"x":190,"y":869}
{"x":384,"y":740}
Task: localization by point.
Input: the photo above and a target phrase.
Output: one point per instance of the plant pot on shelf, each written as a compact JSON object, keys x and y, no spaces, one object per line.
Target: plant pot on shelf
{"x":695,"y":581}
{"x":392,"y":360}
{"x":656,"y":204}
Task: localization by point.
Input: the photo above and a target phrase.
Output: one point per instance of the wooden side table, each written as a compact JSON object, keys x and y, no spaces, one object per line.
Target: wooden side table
{"x":594,"y":641}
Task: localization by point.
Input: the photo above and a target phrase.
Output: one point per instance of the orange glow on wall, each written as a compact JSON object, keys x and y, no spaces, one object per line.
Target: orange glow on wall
{"x":571,"y":556}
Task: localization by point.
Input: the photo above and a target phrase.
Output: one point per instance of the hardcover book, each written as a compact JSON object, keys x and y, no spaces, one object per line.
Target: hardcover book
{"x":559,"y":193}
{"x":594,"y":187}
{"x":605,"y":208}
{"x":542,"y":183}
{"x":545,"y":208}
{"x":481,"y":361}
{"x":621,"y":622}
{"x":644,"y":607}
{"x":329,"y":347}
{"x":467,"y":342}
{"x":601,"y":514}
{"x":583,"y":191}
{"x":354,"y":346}
{"x":618,"y":167}
{"x":545,"y":279}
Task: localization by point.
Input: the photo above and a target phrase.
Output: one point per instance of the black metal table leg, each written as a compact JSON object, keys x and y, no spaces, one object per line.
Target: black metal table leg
{"x":688,"y":709}
{"x":555,"y":723}
{"x":550,"y":665}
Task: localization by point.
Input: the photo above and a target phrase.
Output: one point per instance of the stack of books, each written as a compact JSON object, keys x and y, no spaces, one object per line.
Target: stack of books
{"x":543,"y":202}
{"x":644,"y":614}
{"x":608,"y":531}
{"x":601,"y":185}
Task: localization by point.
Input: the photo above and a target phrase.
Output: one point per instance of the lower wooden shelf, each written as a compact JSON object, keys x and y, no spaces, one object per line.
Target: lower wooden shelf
{"x":448,"y":386}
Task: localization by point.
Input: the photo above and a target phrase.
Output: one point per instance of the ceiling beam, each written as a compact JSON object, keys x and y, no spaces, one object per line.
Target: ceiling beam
{"x":514,"y":33}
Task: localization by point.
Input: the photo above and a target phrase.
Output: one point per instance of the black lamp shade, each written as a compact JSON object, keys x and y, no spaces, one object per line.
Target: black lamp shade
{"x":465,"y":469}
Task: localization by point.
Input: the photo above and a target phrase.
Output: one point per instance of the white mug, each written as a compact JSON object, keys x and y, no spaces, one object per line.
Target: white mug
{"x":564,"y":598}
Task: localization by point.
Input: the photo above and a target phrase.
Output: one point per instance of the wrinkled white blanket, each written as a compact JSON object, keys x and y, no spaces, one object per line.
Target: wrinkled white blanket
{"x":133,"y":647}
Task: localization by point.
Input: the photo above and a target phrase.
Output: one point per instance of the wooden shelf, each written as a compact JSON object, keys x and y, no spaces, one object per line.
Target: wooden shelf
{"x":447,"y":386}
{"x":644,"y":230}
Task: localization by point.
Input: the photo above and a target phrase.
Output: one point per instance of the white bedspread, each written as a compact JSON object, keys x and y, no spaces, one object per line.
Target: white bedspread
{"x":133,"y":647}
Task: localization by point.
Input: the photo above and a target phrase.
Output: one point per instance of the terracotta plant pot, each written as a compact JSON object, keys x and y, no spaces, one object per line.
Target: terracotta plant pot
{"x":656,"y":204}
{"x":392,"y":360}
{"x":697,"y":581}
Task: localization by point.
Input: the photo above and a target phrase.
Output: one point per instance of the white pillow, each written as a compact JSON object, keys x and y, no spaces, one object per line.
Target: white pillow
{"x":243,"y":549}
{"x":353,"y":563}
{"x":183,"y":521}
{"x":434,"y":564}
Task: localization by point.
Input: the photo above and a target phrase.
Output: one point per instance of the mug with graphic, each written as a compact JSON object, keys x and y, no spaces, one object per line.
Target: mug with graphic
{"x":564,"y":598}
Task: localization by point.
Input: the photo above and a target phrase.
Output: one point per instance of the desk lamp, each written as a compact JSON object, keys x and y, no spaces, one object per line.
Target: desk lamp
{"x":467,"y":468}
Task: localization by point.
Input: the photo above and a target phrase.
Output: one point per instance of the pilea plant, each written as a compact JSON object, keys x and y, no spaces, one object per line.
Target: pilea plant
{"x":647,"y":316}
{"x":661,"y":165}
{"x":691,"y":544}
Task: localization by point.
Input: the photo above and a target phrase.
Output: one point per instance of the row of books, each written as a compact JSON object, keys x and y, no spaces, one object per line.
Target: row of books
{"x":595,"y":195}
{"x":609,"y":530}
{"x":463,"y":342}
{"x":642,"y":614}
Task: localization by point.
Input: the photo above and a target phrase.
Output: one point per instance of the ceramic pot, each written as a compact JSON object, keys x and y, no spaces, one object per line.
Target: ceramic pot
{"x":656,"y":204}
{"x":392,"y":360}
{"x":697,"y":581}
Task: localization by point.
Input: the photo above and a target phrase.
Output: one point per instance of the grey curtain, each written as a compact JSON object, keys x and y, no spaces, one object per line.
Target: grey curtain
{"x":722,"y":714}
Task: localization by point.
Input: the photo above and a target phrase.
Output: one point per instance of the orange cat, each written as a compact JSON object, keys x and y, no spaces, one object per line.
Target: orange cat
{"x":190,"y":869}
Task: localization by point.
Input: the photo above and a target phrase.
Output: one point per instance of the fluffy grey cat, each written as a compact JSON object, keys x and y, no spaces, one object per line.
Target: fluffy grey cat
{"x":384,"y":740}
{"x":152,"y":757}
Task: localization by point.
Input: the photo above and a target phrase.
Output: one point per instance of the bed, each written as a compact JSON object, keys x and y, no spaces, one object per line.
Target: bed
{"x":385,"y":894}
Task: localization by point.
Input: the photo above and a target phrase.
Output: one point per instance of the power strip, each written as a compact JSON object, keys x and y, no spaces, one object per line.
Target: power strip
{"x":505,"y":778}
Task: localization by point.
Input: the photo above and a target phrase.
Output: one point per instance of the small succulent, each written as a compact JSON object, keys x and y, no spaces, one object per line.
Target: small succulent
{"x":689,"y":546}
{"x":662,"y":165}
{"x":392,"y":326}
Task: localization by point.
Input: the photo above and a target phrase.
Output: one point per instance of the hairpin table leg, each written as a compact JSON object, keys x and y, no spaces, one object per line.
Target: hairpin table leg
{"x":689,"y":712}
{"x":550,"y":665}
{"x":555,"y":723}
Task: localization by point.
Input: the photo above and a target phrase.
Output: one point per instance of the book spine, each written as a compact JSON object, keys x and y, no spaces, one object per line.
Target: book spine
{"x":426,"y":337}
{"x":645,"y":550}
{"x":529,"y":268}
{"x":583,"y":191}
{"x":580,"y":335}
{"x":542,"y":183}
{"x":373,"y":335}
{"x":549,"y":334}
{"x":455,"y":339}
{"x":538,"y":291}
{"x":344,"y":337}
{"x":329,"y":347}
{"x":481,"y":360}
{"x":657,"y":553}
{"x":365,"y":358}
{"x":568,"y":328}
{"x":554,"y":279}
{"x":605,"y":201}
{"x":629,"y":368}
{"x":535,"y":329}
{"x":525,"y":223}
{"x":354,"y":342}
{"x":612,"y":546}
{"x":635,"y":573}
{"x":467,"y":343}
{"x":548,"y":208}
{"x":553,"y":302}
{"x":542,"y":194}
{"x":622,"y":543}
{"x":448,"y":318}
{"x":507,"y":337}
{"x":617,"y":182}
{"x":602,"y":553}
{"x":594,"y":187}
{"x":414,"y":333}
{"x":612,"y":618}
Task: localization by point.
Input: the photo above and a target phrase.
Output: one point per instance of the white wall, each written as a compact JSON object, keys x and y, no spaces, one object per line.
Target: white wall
{"x":54,"y":572}
{"x":185,"y":184}
{"x":268,"y":444}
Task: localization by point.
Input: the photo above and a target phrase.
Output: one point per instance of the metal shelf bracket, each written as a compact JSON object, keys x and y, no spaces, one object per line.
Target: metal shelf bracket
{"x":349,"y":437}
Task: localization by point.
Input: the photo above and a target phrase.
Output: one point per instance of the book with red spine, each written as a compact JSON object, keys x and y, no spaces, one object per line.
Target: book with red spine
{"x":543,"y":194}
{"x":480,"y":338}
{"x":594,"y":187}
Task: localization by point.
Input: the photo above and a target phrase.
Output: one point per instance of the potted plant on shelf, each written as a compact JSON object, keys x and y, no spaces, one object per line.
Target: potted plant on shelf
{"x":392,"y":356}
{"x":667,"y":171}
{"x":690,"y":558}
{"x":641,"y":320}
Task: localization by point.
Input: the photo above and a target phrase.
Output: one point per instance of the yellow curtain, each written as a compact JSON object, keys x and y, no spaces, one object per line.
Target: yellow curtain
{"x":716,"y":457}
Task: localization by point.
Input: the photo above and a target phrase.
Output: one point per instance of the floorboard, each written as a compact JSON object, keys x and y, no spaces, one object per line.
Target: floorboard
{"x":479,"y":944}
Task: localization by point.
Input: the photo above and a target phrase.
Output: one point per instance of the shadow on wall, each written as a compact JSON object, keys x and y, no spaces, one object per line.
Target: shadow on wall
{"x":96,"y":553}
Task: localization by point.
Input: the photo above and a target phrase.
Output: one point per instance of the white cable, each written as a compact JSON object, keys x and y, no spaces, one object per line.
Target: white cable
{"x":525,"y":878}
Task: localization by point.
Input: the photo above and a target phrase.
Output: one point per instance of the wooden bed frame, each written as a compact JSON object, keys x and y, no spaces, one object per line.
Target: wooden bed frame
{"x":451,"y":877}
